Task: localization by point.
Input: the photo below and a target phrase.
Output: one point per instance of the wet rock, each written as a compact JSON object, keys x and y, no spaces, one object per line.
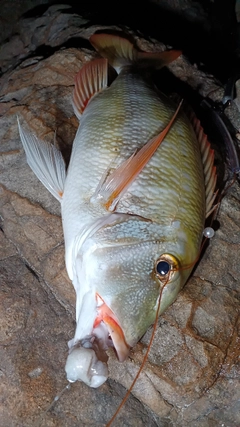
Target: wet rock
{"x":192,"y":374}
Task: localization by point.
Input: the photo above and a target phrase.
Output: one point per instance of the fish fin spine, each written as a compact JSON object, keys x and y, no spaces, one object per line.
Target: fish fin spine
{"x":46,"y":162}
{"x":120,"y":52}
{"x":90,"y":80}
{"x":209,"y":170}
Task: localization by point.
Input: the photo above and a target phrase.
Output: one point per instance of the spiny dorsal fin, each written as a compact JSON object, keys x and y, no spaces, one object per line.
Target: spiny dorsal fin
{"x":120,"y":52}
{"x":91,"y":79}
{"x":209,"y":169}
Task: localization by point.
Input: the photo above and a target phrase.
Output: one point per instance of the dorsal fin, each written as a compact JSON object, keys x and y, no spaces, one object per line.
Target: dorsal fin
{"x":91,"y":79}
{"x":209,"y":169}
{"x":120,"y":52}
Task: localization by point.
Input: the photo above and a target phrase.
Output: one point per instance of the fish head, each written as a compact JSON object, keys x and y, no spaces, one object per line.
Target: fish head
{"x":129,"y":264}
{"x":123,"y":265}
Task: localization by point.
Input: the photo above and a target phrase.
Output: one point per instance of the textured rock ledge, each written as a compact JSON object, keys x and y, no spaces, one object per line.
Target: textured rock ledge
{"x":192,"y":376}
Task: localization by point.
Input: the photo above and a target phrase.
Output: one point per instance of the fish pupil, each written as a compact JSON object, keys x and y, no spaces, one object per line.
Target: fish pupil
{"x":163,"y":268}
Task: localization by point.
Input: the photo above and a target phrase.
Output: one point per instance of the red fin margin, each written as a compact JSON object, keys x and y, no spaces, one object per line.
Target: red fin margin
{"x":91,"y":79}
{"x":209,"y":169}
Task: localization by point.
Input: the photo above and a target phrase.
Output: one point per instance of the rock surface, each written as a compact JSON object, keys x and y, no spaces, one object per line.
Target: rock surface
{"x":192,"y":376}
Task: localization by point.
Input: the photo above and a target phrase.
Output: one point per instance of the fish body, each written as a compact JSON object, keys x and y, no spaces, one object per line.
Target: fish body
{"x":169,"y":193}
{"x":132,"y":221}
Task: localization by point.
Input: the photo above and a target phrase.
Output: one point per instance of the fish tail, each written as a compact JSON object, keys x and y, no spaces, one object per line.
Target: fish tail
{"x":120,"y":53}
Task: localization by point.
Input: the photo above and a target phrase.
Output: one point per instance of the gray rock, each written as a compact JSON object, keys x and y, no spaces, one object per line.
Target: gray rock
{"x":192,"y":374}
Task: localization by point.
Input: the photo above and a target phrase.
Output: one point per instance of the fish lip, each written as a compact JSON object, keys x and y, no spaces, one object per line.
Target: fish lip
{"x":106,"y":315}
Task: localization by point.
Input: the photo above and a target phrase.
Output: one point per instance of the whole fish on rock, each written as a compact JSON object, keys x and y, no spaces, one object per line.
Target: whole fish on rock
{"x":138,"y":188}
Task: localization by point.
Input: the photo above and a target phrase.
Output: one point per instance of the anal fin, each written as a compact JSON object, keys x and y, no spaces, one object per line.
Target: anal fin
{"x":46,"y":162}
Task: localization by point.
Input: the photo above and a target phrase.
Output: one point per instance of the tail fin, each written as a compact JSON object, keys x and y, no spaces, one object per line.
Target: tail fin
{"x":120,"y":52}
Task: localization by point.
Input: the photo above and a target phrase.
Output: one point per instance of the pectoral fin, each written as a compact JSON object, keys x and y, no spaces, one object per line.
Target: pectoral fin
{"x":91,"y":79}
{"x":116,"y":184}
{"x":46,"y":162}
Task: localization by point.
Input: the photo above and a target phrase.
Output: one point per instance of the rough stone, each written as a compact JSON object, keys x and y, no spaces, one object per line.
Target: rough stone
{"x":192,"y":375}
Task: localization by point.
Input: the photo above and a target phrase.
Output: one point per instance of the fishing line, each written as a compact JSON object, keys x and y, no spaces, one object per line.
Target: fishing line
{"x":56,"y":398}
{"x":143,"y":362}
{"x":230,"y":184}
{"x":208,"y":233}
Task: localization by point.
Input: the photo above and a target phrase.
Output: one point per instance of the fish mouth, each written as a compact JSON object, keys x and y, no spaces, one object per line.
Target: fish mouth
{"x":108,"y":318}
{"x":87,"y":359}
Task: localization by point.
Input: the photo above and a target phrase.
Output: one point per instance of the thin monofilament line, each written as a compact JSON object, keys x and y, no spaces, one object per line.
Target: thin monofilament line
{"x":149,"y":346}
{"x":142,"y":364}
{"x":56,"y":398}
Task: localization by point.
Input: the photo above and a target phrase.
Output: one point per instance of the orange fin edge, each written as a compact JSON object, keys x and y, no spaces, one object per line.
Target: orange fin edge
{"x":91,"y":79}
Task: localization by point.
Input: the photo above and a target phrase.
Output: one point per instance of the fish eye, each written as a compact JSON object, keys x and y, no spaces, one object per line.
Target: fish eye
{"x":166,"y":266}
{"x":163,"y":268}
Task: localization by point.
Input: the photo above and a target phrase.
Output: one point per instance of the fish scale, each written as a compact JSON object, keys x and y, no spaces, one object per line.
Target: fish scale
{"x":123,"y":118}
{"x":95,"y":144}
{"x":95,"y":151}
{"x":133,"y":202}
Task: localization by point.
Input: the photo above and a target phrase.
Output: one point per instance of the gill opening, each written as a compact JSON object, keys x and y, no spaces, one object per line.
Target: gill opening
{"x":206,"y":236}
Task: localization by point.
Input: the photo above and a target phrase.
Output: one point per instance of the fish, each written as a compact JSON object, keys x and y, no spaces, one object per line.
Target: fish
{"x":134,"y":200}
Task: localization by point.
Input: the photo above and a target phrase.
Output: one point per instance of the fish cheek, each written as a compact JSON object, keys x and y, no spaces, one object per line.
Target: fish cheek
{"x":171,"y":286}
{"x":130,"y":279}
{"x":169,"y":292}
{"x":128,"y":286}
